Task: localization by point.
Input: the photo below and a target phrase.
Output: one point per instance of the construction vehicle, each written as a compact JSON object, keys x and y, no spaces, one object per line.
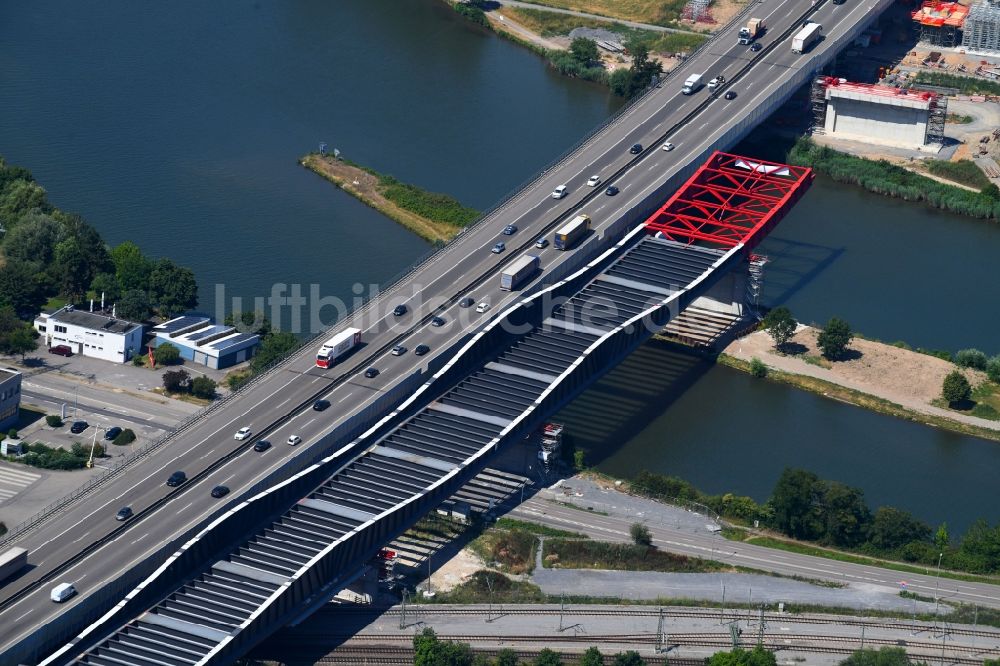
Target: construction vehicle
{"x":751,"y":30}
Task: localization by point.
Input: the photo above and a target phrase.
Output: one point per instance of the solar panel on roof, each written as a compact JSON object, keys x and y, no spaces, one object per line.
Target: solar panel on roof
{"x":179,"y":323}
{"x":232,"y":342}
{"x":205,"y":332}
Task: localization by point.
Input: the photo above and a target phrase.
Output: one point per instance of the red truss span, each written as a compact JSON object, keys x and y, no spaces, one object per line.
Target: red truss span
{"x":730,"y":200}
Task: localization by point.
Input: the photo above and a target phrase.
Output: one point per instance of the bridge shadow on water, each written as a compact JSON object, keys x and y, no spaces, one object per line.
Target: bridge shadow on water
{"x":793,"y":266}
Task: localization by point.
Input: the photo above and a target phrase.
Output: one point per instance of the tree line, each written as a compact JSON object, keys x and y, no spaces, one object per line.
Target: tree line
{"x":50,"y":253}
{"x":804,"y":506}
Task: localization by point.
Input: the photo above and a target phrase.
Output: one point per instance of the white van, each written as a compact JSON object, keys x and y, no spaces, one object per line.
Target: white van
{"x":62,"y":592}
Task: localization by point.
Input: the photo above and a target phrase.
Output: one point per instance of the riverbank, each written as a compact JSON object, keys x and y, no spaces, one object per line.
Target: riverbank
{"x":884,"y":378}
{"x":434,"y":217}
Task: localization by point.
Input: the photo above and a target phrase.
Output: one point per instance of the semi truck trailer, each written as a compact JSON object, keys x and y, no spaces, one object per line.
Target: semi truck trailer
{"x":12,"y":560}
{"x":751,"y":30}
{"x":806,"y":37}
{"x":337,"y":346}
{"x":518,"y":272}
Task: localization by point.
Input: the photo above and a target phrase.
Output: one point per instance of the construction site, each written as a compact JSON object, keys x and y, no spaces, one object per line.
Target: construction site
{"x":975,"y":27}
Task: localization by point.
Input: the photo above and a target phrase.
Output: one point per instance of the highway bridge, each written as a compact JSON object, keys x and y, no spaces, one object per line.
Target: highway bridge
{"x":168,"y":538}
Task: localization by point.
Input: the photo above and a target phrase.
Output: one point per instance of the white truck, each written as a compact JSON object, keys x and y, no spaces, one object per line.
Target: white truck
{"x":691,"y":84}
{"x":751,"y":30}
{"x":336,"y":347}
{"x":12,"y":560}
{"x":518,"y":272}
{"x":806,"y":37}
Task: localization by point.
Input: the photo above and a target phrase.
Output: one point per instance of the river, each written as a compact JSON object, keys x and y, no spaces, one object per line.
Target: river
{"x":179,"y":126}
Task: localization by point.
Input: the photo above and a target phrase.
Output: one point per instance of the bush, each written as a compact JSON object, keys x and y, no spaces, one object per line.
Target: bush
{"x":956,"y":388}
{"x":236,"y":380}
{"x":473,"y":13}
{"x":53,"y":421}
{"x":49,"y":457}
{"x":12,"y":433}
{"x":758,"y":368}
{"x":125,"y":437}
{"x":176,"y":381}
{"x":640,"y":535}
{"x":138,"y":361}
{"x":993,"y":369}
{"x":834,"y":338}
{"x":780,"y":325}
{"x":203,"y":387}
{"x":167,"y":354}
{"x":970,"y":358}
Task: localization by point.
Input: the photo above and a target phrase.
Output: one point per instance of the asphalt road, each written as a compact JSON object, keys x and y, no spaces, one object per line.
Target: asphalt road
{"x":433,"y":289}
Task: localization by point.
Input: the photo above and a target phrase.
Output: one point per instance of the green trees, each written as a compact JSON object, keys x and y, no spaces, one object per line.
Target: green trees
{"x":980,"y":547}
{"x":632,"y":81}
{"x":794,"y":501}
{"x":739,"y":657}
{"x":592,"y":657}
{"x":428,"y":650}
{"x":176,"y":381}
{"x":146,"y":285}
{"x":22,"y":289}
{"x":249,"y":322}
{"x":893,"y":528}
{"x":847,"y":516}
{"x":16,"y":336}
{"x":629,"y":658}
{"x":640,"y":535}
{"x":970,"y":358}
{"x":506,"y":657}
{"x":886,"y":656}
{"x":547,"y":657}
{"x":584,"y":51}
{"x":134,"y":305}
{"x":993,"y":369}
{"x":780,"y":325}
{"x":203,"y":387}
{"x":834,"y":338}
{"x":956,"y":388}
{"x":166,"y":354}
{"x":33,"y":241}
{"x":172,"y":288}
{"x":272,"y":348}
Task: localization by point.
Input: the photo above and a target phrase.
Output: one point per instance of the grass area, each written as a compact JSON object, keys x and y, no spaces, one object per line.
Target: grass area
{"x":963,"y":171}
{"x":183,"y":397}
{"x":435,"y":527}
{"x":966,"y":84}
{"x":985,"y":403}
{"x":859,"y":399}
{"x":735,"y":533}
{"x":582,"y":554}
{"x":535,"y":528}
{"x":656,"y":12}
{"x":432,"y":205}
{"x":883,"y":177}
{"x":511,"y":551}
{"x":54,"y":303}
{"x":44,"y":456}
{"x":958,"y":119}
{"x":816,"y":551}
{"x":817,"y":361}
{"x":588,"y":509}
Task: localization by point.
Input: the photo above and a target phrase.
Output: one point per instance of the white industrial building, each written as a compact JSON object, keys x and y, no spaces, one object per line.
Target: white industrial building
{"x":879,"y":114}
{"x":200,"y":341}
{"x":90,"y":333}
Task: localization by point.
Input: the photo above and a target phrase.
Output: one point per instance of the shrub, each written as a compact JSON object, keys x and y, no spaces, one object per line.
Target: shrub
{"x":993,"y":369}
{"x":472,"y":12}
{"x":138,"y":361}
{"x":579,"y":464}
{"x":758,"y":368}
{"x":834,"y":338}
{"x":236,"y":380}
{"x":176,"y":381}
{"x":167,"y":354}
{"x":125,"y":437}
{"x":970,"y":358}
{"x":956,"y":388}
{"x":640,"y":535}
{"x":203,"y":387}
{"x":53,"y":421}
{"x":780,"y":325}
{"x":12,"y":433}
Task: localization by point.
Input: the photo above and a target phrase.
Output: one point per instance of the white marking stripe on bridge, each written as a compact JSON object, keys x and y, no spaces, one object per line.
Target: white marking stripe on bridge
{"x":337,"y":510}
{"x":574,"y":327}
{"x":511,"y":370}
{"x":469,"y":414}
{"x":423,"y":461}
{"x":635,"y":284}
{"x":189,"y":628}
{"x":250,"y":572}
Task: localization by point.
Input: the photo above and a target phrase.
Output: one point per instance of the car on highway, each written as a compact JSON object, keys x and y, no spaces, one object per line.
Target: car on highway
{"x":398,"y":350}
{"x":730,"y":94}
{"x":594,"y":181}
{"x":62,"y":592}
{"x":294,"y":440}
{"x":242,"y":433}
{"x":176,"y":479}
{"x":611,"y":191}
{"x":560,"y":192}
{"x":320,"y":405}
{"x":510,"y":230}
{"x":716,"y":82}
{"x":437,"y":321}
{"x":371,"y":373}
{"x":542,"y":243}
{"x":399,"y":310}
{"x":498,"y":248}
{"x":61,"y":350}
{"x":261,"y":445}
{"x":220,"y":491}
{"x":756,"y":46}
{"x":124,"y":513}
{"x":420,"y":350}
{"x":112,"y":433}
{"x":668,"y":146}
{"x":635,"y":149}
{"x":483,"y":307}
{"x":467,"y":302}
{"x":78,"y":427}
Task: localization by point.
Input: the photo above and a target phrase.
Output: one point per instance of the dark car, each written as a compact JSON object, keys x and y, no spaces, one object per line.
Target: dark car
{"x":176,"y":479}
{"x":61,"y":350}
{"x":78,"y":427}
{"x":757,"y":46}
{"x":261,"y":445}
{"x":611,"y":191}
{"x":371,"y":373}
{"x":112,"y":433}
{"x":635,"y":149}
{"x":420,"y":350}
{"x":510,"y":230}
{"x":731,"y":94}
{"x":399,"y":310}
{"x":467,"y":302}
{"x":437,"y":321}
{"x":124,"y":513}
{"x":320,"y":405}
{"x":220,"y":491}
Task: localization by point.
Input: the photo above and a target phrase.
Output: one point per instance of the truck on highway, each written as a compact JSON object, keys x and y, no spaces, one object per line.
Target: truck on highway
{"x":571,"y":232}
{"x":751,"y":30}
{"x":337,"y":346}
{"x":691,"y":84}
{"x":12,"y":560}
{"x":806,"y":37}
{"x":518,"y":272}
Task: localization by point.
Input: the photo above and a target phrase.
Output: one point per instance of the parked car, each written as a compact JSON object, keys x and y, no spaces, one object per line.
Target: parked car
{"x":542,"y":243}
{"x":112,"y":433}
{"x":611,"y":191}
{"x":594,"y":181}
{"x":261,"y":445}
{"x":398,"y":350}
{"x":635,"y":149}
{"x":176,"y":479}
{"x":220,"y":491}
{"x":437,"y":321}
{"x":399,"y":310}
{"x":498,"y":248}
{"x":61,"y":350}
{"x":124,"y":513}
{"x":510,"y":230}
{"x":560,"y":192}
{"x":320,"y":405}
{"x":78,"y":427}
{"x":371,"y":373}
{"x":242,"y":433}
{"x":420,"y":350}
{"x":294,"y":440}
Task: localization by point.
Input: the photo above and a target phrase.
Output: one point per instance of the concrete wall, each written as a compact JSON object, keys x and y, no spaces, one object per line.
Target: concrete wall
{"x":876,"y":122}
{"x":728,"y":295}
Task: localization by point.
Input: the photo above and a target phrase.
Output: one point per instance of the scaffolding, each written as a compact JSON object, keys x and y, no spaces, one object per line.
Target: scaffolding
{"x":697,"y":11}
{"x":937,"y":113}
{"x":982,"y":27}
{"x":817,"y":97}
{"x":755,"y":283}
{"x":940,"y":22}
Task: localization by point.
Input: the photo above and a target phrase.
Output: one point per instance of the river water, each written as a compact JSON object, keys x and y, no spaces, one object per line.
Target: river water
{"x":179,"y":126}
